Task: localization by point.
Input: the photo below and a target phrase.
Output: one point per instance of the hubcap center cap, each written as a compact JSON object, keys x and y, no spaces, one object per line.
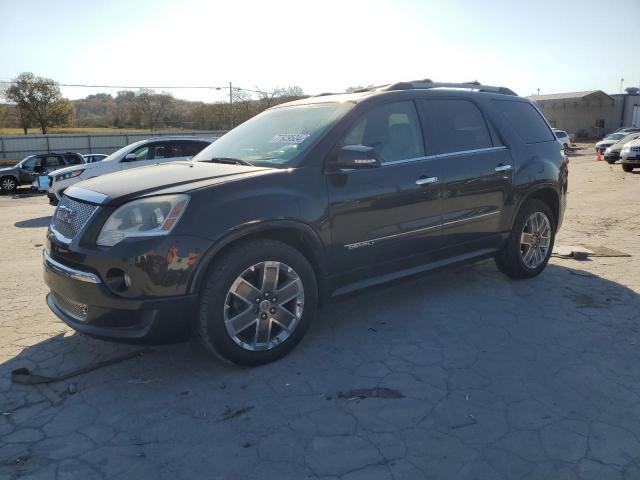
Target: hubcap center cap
{"x":265,"y":305}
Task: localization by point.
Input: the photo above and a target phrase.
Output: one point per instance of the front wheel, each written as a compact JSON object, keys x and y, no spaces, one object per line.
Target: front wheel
{"x":8,"y":184}
{"x":530,"y":243}
{"x":610,"y":161}
{"x":627,"y":168}
{"x":257,"y":302}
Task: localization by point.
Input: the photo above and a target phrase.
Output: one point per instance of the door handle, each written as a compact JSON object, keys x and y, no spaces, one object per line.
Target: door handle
{"x":503,"y":168}
{"x":426,"y":180}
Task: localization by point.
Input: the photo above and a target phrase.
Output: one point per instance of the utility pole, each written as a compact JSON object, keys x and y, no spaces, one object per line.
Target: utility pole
{"x":231,"y":104}
{"x":621,"y":82}
{"x":538,"y":91}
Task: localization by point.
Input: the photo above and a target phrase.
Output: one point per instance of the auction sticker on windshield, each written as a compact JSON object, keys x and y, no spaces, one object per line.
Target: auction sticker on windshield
{"x":289,"y":138}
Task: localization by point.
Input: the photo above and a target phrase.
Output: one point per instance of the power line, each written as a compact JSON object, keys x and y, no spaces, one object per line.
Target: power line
{"x":138,"y":87}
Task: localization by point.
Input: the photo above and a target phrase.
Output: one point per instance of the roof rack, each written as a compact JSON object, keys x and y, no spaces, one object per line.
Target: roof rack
{"x":428,"y":83}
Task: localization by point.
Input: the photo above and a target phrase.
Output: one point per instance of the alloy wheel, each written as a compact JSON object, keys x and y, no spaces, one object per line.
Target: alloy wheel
{"x":8,"y":184}
{"x":535,"y":240}
{"x":264,"y":306}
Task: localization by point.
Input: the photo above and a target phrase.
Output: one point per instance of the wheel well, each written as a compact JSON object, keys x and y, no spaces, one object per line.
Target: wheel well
{"x":550,"y":197}
{"x":293,"y":237}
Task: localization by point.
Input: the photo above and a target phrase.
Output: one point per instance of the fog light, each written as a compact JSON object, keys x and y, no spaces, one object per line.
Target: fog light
{"x":118,"y":280}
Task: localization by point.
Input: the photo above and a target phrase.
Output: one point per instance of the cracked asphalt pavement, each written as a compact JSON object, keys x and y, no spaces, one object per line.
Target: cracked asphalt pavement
{"x":459,"y":374}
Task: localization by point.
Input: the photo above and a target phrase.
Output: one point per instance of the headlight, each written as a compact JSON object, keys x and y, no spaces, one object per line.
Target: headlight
{"x":64,"y":176}
{"x":608,"y":150}
{"x":625,"y":149}
{"x":147,"y":217}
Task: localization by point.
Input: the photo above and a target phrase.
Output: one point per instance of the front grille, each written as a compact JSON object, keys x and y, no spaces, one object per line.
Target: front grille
{"x":77,"y":311}
{"x":635,"y":149}
{"x":71,"y":216}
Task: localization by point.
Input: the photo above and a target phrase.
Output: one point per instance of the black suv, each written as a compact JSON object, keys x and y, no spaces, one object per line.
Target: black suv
{"x":25,"y":171}
{"x":309,"y":199}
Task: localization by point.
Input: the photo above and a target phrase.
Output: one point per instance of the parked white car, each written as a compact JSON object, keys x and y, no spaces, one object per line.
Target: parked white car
{"x":609,"y":140}
{"x":630,"y":155}
{"x":563,"y":138}
{"x":138,"y":154}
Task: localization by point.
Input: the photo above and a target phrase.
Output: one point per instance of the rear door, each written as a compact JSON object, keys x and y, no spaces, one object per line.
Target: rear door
{"x":477,"y":171}
{"x":382,"y":214}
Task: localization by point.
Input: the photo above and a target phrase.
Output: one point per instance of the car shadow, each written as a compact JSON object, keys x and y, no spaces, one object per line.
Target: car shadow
{"x":475,"y":290}
{"x":34,"y":222}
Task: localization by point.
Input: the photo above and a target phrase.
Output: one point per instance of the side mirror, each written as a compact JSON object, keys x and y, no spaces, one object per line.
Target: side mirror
{"x":356,"y":157}
{"x":130,"y":157}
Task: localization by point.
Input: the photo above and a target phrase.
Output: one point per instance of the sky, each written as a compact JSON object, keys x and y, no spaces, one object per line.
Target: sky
{"x":551,"y":45}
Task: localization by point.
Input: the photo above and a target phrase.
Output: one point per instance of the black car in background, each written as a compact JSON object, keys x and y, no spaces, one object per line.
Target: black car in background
{"x":26,"y":171}
{"x":309,"y":199}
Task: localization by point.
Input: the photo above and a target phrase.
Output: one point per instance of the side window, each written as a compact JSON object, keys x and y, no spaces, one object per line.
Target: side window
{"x":457,"y":125}
{"x":54,"y":161}
{"x":152,"y":151}
{"x":142,"y":153}
{"x":525,"y":120}
{"x":193,"y":148}
{"x":393,"y":130}
{"x":30,"y":163}
{"x":176,"y":149}
{"x":73,"y":159}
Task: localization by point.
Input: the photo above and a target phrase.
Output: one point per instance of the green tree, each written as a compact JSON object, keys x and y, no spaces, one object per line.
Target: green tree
{"x":39,"y":99}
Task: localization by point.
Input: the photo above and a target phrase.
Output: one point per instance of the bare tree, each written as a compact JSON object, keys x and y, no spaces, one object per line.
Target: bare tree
{"x":152,"y":106}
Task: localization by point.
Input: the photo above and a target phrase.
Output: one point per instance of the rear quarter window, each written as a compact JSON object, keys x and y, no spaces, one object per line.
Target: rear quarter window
{"x":525,"y":120}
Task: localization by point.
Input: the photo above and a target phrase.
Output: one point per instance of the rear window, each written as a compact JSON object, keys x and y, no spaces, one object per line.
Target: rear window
{"x":560,"y":133}
{"x":458,"y":126}
{"x":526,"y":121}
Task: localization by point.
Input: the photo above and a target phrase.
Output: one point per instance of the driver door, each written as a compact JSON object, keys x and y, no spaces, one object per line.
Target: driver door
{"x":380,"y":215}
{"x":148,"y":154}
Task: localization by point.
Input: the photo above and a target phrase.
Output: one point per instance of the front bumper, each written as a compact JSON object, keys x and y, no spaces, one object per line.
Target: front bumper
{"x":159,"y":306}
{"x":53,"y":200}
{"x":612,"y":156}
{"x":632,"y":160}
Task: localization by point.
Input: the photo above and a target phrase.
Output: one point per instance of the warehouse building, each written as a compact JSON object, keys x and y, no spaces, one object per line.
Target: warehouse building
{"x":590,"y":114}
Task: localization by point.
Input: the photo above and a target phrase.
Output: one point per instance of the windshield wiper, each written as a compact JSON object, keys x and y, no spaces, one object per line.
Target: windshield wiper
{"x":229,"y":161}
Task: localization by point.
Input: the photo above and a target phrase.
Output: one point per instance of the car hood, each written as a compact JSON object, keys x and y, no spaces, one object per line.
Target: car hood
{"x":6,"y":169}
{"x":165,"y":178}
{"x":605,"y":143}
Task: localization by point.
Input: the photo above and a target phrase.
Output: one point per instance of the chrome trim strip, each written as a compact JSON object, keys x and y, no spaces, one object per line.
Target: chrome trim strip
{"x":68,"y":272}
{"x":503,"y":168}
{"x":85,"y":195}
{"x":470,"y":218}
{"x":477,"y":150}
{"x":368,"y":243}
{"x":441,"y":155}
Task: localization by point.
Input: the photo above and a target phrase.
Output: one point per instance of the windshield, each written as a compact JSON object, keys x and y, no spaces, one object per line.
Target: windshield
{"x":27,"y":162}
{"x":275,"y":138}
{"x":119,"y":152}
{"x":614,"y":136}
{"x":627,"y":138}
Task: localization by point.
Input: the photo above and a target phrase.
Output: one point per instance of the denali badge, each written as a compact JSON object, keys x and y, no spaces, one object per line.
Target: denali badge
{"x":64,"y":215}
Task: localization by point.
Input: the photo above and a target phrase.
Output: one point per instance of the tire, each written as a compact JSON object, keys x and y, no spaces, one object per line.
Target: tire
{"x":610,"y":161}
{"x":8,"y":184}
{"x":510,"y":260}
{"x":627,"y":168}
{"x":244,"y":265}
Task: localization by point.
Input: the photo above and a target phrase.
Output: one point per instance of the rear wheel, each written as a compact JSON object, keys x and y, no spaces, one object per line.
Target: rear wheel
{"x":257,"y":302}
{"x":8,"y":184}
{"x":530,"y":243}
{"x":627,"y":168}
